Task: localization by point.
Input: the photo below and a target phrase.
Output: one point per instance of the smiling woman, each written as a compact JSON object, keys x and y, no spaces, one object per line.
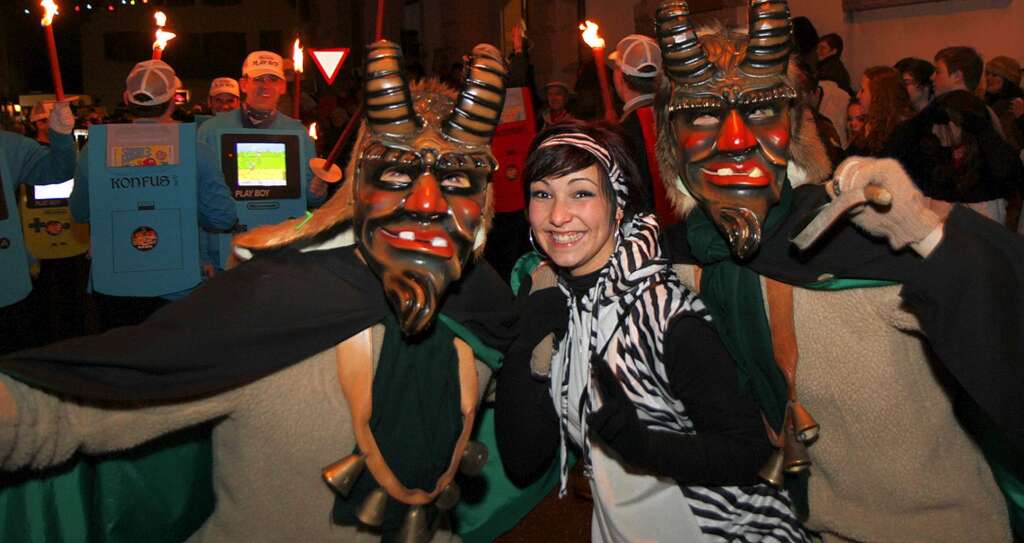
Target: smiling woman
{"x":637,"y":383}
{"x":575,"y":208}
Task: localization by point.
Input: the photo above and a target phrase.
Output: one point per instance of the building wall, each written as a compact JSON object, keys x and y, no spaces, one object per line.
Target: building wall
{"x":105,"y":79}
{"x":555,"y":39}
{"x":883,"y":36}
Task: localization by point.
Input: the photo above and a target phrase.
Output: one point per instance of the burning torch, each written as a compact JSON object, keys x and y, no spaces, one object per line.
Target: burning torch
{"x":596,"y":43}
{"x":49,"y":10}
{"x":162,"y":36}
{"x":297,"y":62}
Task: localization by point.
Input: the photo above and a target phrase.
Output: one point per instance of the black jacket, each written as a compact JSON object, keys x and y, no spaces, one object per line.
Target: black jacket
{"x":985,"y":167}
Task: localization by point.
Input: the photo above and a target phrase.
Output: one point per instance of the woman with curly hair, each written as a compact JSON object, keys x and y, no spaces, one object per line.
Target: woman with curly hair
{"x":885,"y":100}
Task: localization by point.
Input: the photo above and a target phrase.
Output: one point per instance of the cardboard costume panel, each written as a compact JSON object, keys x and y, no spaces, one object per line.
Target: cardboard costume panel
{"x":15,"y":281}
{"x":264,"y":171}
{"x":510,"y":145}
{"x":142,"y":198}
{"x":50,"y":231}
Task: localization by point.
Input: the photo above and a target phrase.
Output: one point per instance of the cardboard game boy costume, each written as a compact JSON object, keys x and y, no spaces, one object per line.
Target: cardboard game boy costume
{"x":50,"y":230}
{"x":143,"y":208}
{"x":14,"y":269}
{"x":265,"y":169}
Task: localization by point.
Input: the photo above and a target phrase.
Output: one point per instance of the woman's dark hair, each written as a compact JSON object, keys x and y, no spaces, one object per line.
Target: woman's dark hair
{"x":920,"y":71}
{"x":560,"y":160}
{"x":804,"y":34}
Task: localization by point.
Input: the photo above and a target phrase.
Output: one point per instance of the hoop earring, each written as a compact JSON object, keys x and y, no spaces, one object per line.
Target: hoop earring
{"x":536,"y":247}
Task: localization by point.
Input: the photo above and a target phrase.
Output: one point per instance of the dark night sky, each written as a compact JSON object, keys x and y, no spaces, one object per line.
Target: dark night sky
{"x":26,"y":48}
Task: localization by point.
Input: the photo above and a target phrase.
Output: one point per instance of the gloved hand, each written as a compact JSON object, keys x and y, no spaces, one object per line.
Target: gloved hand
{"x":907,"y":221}
{"x":61,"y":119}
{"x":541,"y":310}
{"x":318,"y":187}
{"x":616,"y":422}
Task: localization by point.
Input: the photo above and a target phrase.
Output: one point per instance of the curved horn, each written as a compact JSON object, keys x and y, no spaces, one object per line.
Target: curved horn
{"x":771,"y":38}
{"x":388,"y":100}
{"x":478,"y":108}
{"x":685,"y":60}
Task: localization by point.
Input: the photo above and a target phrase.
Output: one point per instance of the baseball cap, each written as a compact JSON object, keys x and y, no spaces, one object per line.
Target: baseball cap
{"x":41,"y":111}
{"x":224,"y":85}
{"x":262,"y":63}
{"x":151,"y":82}
{"x":637,"y":55}
{"x":558,"y":84}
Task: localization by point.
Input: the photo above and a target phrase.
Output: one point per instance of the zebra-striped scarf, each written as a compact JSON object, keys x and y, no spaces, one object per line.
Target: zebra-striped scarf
{"x":627,"y":311}
{"x":623,"y":319}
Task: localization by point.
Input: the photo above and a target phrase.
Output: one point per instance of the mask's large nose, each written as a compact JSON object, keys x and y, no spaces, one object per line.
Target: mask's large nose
{"x":426,"y":199}
{"x":735,"y":136}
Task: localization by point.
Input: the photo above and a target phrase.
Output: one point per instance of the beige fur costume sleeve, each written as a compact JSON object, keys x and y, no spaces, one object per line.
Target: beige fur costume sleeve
{"x":38,"y":429}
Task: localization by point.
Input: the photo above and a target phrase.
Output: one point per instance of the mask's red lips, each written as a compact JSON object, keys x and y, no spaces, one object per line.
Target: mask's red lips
{"x":435,"y":242}
{"x":748,"y":173}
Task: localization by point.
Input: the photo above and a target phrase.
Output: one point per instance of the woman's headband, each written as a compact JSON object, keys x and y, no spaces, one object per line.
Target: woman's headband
{"x":588,"y":144}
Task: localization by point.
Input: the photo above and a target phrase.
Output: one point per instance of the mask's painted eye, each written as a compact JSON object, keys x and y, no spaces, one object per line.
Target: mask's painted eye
{"x":456,"y":181}
{"x":762,"y":113}
{"x":394,"y":176}
{"x":705,"y":119}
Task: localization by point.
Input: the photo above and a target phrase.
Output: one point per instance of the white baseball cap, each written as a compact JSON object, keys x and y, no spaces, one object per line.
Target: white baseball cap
{"x":224,"y":85}
{"x":151,"y":82}
{"x":637,"y":55}
{"x":262,"y":63}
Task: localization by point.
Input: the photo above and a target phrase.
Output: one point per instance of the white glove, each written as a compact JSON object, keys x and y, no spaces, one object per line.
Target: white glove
{"x":61,"y":119}
{"x":907,"y":221}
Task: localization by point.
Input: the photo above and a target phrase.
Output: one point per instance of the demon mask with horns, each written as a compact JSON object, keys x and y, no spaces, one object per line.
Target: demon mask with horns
{"x":728,"y":118}
{"x":416,"y":193}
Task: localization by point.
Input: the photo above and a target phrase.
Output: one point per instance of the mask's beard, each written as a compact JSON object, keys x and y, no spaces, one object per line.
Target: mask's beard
{"x":415,"y":296}
{"x":413,"y":283}
{"x":742,"y":230}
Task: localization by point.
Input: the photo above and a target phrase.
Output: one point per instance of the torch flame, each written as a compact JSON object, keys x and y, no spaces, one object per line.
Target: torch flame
{"x":312,"y":130}
{"x":590,"y":35}
{"x":297,"y":56}
{"x":49,"y":10}
{"x":162,"y":37}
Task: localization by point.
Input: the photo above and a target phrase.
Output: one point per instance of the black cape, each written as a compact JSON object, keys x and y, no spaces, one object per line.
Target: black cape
{"x":263,"y":316}
{"x":968,"y":295}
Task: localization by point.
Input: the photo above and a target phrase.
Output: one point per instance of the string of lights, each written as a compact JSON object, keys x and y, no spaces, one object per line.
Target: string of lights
{"x":31,"y":8}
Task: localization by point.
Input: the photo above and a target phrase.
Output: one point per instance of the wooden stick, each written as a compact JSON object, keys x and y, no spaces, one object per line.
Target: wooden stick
{"x":51,"y":46}
{"x":831,"y":214}
{"x":345,"y":134}
{"x":380,"y":21}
